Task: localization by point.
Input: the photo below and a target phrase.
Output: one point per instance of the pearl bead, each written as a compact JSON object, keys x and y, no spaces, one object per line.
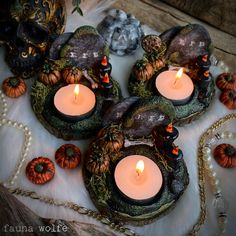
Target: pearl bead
{"x":217,"y":182}
{"x":20,"y":125}
{"x":206,"y":150}
{"x":28,"y":133}
{"x":26,"y":128}
{"x":4,"y":121}
{"x":209,"y":167}
{"x":15,"y":124}
{"x":9,"y":122}
{"x":213,"y":174}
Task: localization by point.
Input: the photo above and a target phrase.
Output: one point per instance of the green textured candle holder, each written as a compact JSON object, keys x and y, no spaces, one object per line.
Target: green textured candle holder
{"x":43,"y":107}
{"x":133,"y":127}
{"x":99,"y":181}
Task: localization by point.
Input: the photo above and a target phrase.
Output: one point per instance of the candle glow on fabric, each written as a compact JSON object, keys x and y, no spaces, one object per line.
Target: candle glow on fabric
{"x":138,"y":177}
{"x":175,"y":86}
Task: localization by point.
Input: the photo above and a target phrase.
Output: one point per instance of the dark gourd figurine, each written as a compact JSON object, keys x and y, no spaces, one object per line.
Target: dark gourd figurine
{"x":112,"y":139}
{"x":97,"y":161}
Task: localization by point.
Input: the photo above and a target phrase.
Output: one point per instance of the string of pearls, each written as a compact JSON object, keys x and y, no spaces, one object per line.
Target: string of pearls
{"x":27,"y":141}
{"x":219,"y":203}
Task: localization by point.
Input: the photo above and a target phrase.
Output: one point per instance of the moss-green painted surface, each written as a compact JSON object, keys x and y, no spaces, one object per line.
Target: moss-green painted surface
{"x":42,"y":104}
{"x":121,"y":209}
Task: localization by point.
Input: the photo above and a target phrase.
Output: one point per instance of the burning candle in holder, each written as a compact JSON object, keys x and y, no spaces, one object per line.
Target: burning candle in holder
{"x":138,"y":179}
{"x":74,"y":102}
{"x":175,"y":86}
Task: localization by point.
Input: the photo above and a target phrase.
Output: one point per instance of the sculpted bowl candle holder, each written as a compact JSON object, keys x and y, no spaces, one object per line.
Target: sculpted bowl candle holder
{"x":184,"y":47}
{"x":75,"y":86}
{"x":133,"y":174}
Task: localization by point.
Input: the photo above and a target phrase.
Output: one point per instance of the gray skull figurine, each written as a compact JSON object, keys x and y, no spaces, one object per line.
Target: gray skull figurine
{"x":27,"y":28}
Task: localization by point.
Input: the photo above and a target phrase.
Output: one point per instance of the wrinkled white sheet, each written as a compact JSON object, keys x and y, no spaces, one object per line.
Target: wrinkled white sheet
{"x":68,"y":185}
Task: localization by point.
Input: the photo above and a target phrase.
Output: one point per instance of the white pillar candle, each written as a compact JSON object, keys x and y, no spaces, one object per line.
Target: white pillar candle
{"x":75,"y":102}
{"x":177,"y":88}
{"x":138,"y":178}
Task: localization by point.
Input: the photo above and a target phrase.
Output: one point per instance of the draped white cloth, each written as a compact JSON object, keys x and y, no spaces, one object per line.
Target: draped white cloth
{"x":68,"y":184}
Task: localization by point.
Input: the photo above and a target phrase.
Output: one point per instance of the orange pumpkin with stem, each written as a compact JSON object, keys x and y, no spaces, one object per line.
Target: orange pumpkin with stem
{"x":68,"y":156}
{"x":226,"y":81}
{"x":40,"y":170}
{"x":72,"y":75}
{"x":14,"y":87}
{"x":228,"y":98}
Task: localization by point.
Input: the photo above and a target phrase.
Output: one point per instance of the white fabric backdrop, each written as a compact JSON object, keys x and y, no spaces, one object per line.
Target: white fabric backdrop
{"x":68,"y":185}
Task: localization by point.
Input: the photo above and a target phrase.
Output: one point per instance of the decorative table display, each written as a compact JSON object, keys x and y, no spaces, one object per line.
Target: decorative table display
{"x":133,"y":179}
{"x":133,"y":170}
{"x":188,"y":47}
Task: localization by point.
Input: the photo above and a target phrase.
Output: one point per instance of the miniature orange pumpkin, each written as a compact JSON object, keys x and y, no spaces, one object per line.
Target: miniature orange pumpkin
{"x":225,"y":155}
{"x":68,"y":156}
{"x":72,"y":75}
{"x":40,"y":170}
{"x":156,"y":61}
{"x":226,"y":81}
{"x":50,"y":75}
{"x":97,"y":161}
{"x":228,"y":98}
{"x":14,"y":87}
{"x":111,"y":139}
{"x":143,"y":70}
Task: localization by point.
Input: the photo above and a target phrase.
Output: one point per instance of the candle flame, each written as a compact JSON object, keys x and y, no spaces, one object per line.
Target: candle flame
{"x":178,"y":75}
{"x":76,"y":92}
{"x":139,"y":167}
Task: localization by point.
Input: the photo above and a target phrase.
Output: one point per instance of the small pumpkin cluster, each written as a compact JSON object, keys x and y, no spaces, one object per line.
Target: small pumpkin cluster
{"x":226,"y":82}
{"x":52,"y":74}
{"x":41,"y":170}
{"x":104,"y":149}
{"x":153,"y":59}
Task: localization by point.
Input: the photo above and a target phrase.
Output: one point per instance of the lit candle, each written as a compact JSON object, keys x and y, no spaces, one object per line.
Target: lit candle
{"x":75,"y":102}
{"x":138,"y":178}
{"x":175,"y":86}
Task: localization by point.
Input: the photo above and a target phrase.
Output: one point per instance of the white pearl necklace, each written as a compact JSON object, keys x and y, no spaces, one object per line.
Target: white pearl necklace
{"x":27,"y":142}
{"x":219,"y":202}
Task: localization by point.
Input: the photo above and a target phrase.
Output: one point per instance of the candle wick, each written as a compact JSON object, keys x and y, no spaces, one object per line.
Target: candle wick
{"x":176,"y":79}
{"x":76,"y":98}
{"x":137,"y":172}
